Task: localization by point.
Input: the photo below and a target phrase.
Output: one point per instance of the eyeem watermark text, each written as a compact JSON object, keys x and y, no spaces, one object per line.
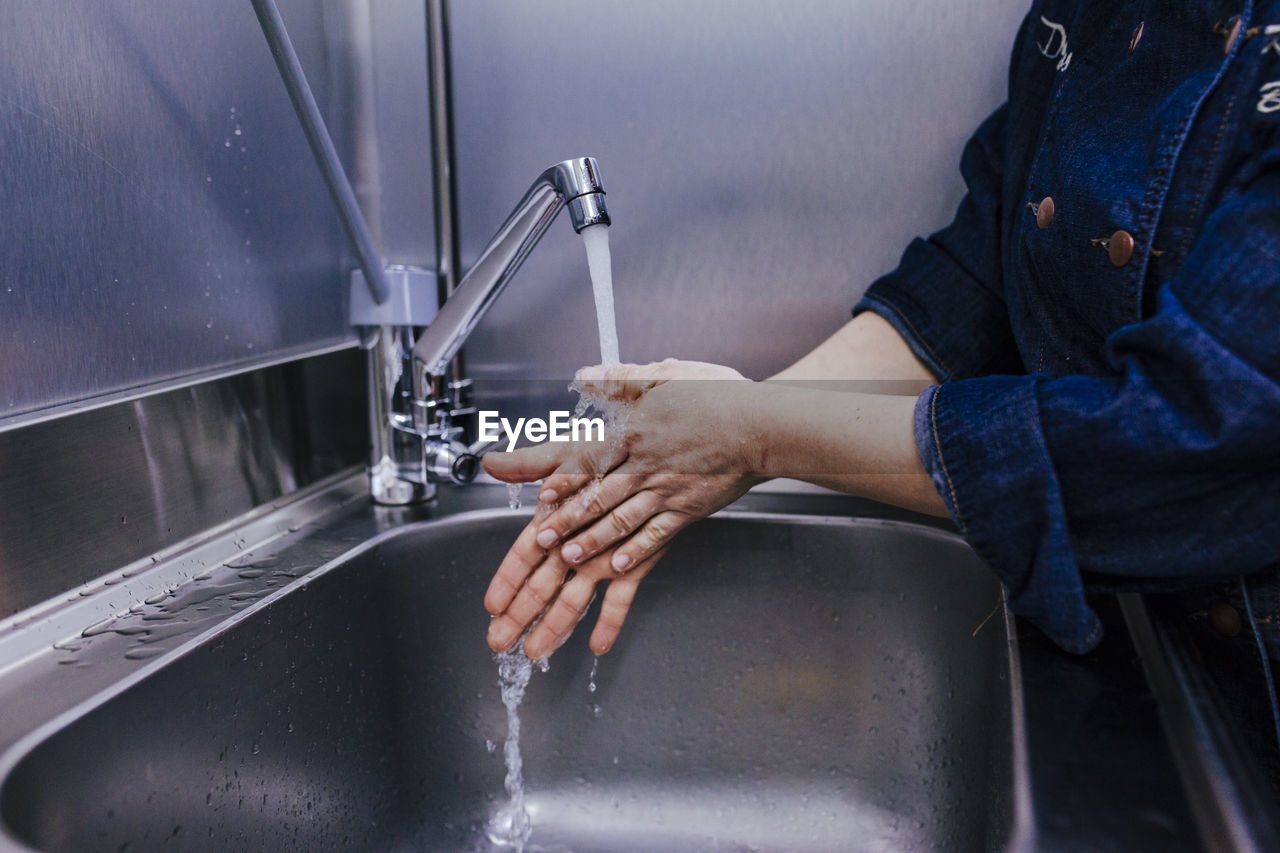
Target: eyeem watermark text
{"x":557,"y":427}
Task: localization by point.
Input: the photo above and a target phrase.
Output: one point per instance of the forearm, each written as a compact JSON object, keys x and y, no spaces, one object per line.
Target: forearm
{"x":868,"y":350}
{"x":862,"y":444}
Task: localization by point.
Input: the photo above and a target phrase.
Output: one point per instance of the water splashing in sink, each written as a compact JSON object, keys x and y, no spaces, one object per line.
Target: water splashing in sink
{"x":511,"y":826}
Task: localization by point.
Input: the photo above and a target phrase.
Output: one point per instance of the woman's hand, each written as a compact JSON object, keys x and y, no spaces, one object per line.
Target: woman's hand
{"x":608,"y":510}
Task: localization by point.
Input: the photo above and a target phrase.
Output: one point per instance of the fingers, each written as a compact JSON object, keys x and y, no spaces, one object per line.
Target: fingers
{"x":613,"y":612}
{"x":616,"y":523}
{"x":571,"y":602}
{"x":528,"y":603}
{"x":653,"y":537}
{"x":631,"y":381}
{"x":561,"y":617}
{"x":524,"y":556}
{"x":590,"y":503}
{"x":617,"y":604}
{"x":525,"y":464}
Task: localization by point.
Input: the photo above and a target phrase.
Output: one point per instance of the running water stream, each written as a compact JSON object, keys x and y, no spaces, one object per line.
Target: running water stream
{"x":596,"y":710}
{"x":512,"y":825}
{"x":596,"y":239}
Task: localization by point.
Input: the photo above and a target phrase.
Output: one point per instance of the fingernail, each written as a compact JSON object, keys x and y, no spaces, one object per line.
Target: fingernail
{"x":547,"y":538}
{"x":572,"y":552}
{"x":621,"y":562}
{"x":524,"y":647}
{"x":498,"y":636}
{"x":548,"y":496}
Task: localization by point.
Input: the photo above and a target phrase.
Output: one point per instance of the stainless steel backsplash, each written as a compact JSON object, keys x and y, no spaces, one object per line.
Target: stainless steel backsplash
{"x":162,"y":218}
{"x":765,"y":161}
{"x":85,"y":494}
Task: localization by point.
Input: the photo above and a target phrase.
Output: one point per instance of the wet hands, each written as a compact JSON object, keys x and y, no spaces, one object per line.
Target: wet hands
{"x":681,"y":448}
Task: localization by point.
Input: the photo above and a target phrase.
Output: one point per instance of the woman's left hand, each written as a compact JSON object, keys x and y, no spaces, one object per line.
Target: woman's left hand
{"x":609,"y":510}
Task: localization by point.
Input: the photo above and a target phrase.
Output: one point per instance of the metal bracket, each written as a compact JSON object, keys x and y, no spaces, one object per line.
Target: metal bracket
{"x":412,"y":301}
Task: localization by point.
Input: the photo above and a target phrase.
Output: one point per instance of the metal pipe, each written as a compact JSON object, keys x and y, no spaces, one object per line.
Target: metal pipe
{"x":444,"y":184}
{"x":313,"y":126}
{"x":394,"y":456}
{"x":443,"y":178}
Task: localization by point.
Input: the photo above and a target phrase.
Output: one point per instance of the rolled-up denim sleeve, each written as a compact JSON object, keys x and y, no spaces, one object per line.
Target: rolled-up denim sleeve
{"x":1171,"y":469}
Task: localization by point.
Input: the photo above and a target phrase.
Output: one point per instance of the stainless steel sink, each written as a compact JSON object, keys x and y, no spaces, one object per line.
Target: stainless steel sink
{"x":784,"y":683}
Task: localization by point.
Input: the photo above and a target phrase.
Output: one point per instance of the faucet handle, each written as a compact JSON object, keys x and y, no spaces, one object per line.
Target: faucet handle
{"x":484,"y":445}
{"x":451,"y":460}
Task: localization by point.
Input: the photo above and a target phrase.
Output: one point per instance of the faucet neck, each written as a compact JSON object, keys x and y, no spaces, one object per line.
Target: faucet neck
{"x":574,"y":182}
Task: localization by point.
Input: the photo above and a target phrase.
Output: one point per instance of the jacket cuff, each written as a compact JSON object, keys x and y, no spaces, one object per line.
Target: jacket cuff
{"x":954,"y":323}
{"x":981,"y":442}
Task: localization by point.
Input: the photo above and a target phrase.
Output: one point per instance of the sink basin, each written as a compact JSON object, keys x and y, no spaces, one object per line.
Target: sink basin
{"x":783,"y":683}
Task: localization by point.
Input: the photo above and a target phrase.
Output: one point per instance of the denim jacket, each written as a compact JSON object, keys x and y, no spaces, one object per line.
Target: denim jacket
{"x":1103,"y":314}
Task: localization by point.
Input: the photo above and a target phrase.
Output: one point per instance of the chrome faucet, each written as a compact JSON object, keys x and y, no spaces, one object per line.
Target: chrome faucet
{"x":416,"y":402}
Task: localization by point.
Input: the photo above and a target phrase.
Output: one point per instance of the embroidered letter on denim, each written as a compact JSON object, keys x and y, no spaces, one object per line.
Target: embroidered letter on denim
{"x":1056,"y":46}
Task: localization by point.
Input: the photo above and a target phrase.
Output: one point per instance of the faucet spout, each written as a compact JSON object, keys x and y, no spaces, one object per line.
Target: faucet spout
{"x":573,"y":183}
{"x":578,"y":182}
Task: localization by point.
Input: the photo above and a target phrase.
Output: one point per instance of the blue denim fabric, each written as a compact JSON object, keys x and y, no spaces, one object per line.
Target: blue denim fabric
{"x":1098,"y":422}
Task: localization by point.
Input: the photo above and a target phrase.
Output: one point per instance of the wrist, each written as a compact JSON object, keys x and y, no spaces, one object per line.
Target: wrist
{"x":753,"y":422}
